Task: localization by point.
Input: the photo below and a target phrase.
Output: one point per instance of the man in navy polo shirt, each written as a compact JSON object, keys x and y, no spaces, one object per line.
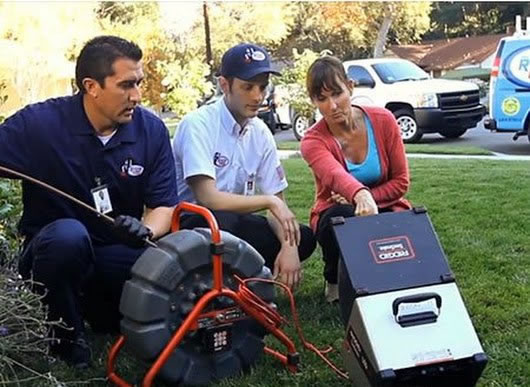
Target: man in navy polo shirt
{"x":226,"y":160}
{"x":103,"y":148}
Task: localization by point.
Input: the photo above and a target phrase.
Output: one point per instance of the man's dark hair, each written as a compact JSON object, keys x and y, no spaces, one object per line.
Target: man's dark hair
{"x":230,"y":80}
{"x":99,"y":54}
{"x":325,"y":73}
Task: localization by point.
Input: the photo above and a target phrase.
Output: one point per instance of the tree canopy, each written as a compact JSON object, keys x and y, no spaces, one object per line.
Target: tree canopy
{"x":458,"y":19}
{"x":178,"y":73}
{"x":349,"y":29}
{"x":37,"y":42}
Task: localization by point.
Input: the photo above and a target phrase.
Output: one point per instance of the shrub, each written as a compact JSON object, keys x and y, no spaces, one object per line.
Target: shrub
{"x":185,"y":84}
{"x":293,"y":79}
{"x":3,"y":98}
{"x":10,"y":211}
{"x":23,"y":330}
{"x":23,"y":326}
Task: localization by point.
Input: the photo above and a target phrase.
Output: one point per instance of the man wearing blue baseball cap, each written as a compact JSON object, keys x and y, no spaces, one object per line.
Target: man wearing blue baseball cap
{"x":226,"y":160}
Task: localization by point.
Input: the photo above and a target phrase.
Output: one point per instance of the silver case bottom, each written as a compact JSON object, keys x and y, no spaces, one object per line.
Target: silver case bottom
{"x":387,"y":345}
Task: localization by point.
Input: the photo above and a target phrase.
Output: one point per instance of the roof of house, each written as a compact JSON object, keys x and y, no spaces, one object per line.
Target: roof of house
{"x":446,"y":54}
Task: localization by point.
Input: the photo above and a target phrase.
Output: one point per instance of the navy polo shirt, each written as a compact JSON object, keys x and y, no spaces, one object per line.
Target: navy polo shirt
{"x":53,"y":141}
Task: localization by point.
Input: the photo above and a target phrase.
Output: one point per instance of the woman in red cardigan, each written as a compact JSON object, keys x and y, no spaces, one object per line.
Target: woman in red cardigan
{"x":357,"y":158}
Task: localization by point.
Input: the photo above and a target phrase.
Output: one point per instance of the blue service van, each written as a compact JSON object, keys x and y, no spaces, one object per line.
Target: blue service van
{"x":510,"y":84}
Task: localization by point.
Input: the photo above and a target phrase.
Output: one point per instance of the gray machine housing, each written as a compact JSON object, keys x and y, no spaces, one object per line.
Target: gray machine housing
{"x":407,"y":325}
{"x":167,"y":282}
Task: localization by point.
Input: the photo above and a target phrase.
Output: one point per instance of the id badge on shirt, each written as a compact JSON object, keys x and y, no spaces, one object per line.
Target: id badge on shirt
{"x":250,"y":185}
{"x":101,"y":198}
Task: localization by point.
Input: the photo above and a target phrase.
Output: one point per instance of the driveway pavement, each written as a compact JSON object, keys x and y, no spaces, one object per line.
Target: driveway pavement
{"x":478,"y":137}
{"x":285,"y":154}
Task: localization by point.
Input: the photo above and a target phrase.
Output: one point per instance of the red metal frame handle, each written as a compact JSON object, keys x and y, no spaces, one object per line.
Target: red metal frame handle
{"x":216,"y":235}
{"x":188,"y":324}
{"x":199,"y":210}
{"x":190,"y":321}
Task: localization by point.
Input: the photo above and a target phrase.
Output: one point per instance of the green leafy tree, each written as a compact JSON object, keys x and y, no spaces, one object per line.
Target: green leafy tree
{"x":3,"y":97}
{"x":318,"y":26}
{"x":185,"y":84}
{"x":235,"y":22}
{"x":293,"y":81}
{"x":174,"y":75}
{"x":411,"y":21}
{"x":458,"y":19}
{"x":41,"y":68}
{"x":140,"y":22}
{"x":350,"y":29}
{"x":125,"y":12}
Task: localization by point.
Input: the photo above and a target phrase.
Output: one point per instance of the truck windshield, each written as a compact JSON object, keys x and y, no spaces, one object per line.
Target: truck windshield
{"x":391,"y":72}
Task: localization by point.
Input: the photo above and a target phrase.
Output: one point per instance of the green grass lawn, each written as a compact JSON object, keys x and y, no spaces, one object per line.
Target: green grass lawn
{"x":288,"y":145}
{"x":446,"y":149}
{"x":171,"y":124}
{"x":481,"y":212}
{"x":414,"y":148}
{"x":171,"y":127}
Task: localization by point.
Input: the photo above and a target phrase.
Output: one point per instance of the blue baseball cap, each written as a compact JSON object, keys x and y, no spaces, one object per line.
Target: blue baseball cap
{"x":245,"y":61}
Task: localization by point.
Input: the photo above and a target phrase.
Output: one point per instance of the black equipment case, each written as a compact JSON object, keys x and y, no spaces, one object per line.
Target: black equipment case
{"x":406,"y":323}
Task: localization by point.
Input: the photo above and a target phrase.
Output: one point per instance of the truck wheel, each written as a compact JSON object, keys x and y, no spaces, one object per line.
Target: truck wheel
{"x":300,"y":126}
{"x":410,"y":132}
{"x":453,"y":133}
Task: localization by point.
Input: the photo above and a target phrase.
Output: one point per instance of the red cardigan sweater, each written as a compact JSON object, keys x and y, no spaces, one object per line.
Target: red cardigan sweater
{"x":324,"y":155}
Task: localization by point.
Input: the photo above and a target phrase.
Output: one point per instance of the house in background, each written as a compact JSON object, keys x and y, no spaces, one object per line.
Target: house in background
{"x":457,"y":58}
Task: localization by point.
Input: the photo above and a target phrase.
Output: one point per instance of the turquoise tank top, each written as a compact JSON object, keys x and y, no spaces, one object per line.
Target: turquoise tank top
{"x":369,"y":171}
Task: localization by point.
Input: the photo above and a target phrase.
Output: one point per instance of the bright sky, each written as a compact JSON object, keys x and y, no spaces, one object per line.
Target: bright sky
{"x":178,"y":16}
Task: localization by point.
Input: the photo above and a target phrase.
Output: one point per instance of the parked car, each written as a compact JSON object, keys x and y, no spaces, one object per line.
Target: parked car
{"x":419,"y":103}
{"x":510,"y":84}
{"x":300,"y":123}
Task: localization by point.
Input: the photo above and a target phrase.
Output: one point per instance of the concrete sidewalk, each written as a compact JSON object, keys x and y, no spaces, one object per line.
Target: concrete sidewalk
{"x":285,"y":154}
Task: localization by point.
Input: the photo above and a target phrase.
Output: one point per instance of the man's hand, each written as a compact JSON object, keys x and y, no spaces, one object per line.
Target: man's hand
{"x":131,"y":231}
{"x":290,"y":226}
{"x":365,"y":203}
{"x":287,"y":267}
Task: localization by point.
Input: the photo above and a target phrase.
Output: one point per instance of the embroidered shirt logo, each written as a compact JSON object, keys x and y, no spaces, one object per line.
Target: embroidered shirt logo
{"x":129,"y":168}
{"x":219,"y":160}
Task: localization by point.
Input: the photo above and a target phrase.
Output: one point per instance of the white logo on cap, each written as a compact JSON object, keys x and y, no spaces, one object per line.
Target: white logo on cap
{"x":258,"y":55}
{"x":252,"y":54}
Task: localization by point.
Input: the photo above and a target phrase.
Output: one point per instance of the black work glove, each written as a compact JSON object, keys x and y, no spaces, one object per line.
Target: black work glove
{"x":131,"y":231}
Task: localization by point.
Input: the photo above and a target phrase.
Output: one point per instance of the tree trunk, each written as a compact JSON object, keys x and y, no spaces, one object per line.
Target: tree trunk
{"x":382,"y":34}
{"x":207,"y":34}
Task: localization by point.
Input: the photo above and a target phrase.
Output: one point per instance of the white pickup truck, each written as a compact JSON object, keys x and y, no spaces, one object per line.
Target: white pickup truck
{"x":419,"y":103}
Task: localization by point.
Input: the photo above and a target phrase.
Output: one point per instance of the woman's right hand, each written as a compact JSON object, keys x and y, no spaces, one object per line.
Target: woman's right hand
{"x":337,"y":198}
{"x":364,"y":203}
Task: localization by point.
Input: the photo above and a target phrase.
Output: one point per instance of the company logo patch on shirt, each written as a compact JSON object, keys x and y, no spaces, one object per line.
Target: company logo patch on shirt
{"x":129,"y":168}
{"x":280,"y":172}
{"x":135,"y":170}
{"x":219,"y":160}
